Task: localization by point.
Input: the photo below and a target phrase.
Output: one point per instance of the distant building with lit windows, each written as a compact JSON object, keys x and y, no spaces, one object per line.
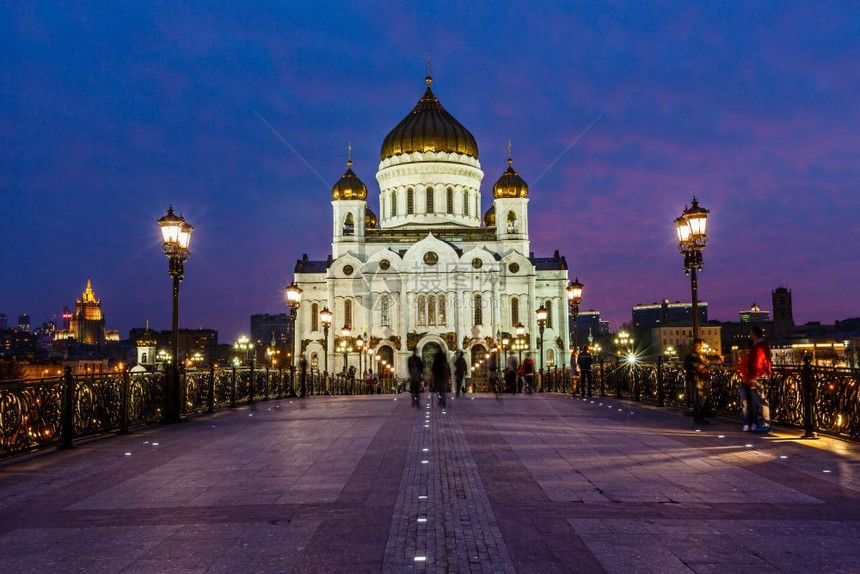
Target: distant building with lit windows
{"x":88,"y":321}
{"x":754,"y":314}
{"x":647,"y":316}
{"x":679,"y":336}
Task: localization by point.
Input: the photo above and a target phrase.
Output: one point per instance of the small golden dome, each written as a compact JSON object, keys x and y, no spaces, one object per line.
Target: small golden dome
{"x":349,"y":186}
{"x":490,"y":217}
{"x":429,"y":127}
{"x":370,"y":221}
{"x":510,"y":185}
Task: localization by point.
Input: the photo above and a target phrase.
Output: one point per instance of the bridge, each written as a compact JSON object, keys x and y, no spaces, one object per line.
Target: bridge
{"x":527,"y":483}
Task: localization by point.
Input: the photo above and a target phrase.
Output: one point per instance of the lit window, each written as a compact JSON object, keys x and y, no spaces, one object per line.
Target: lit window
{"x":422,"y":310}
{"x":512,"y":222}
{"x":410,"y":201}
{"x":548,"y":307}
{"x":394,"y":203}
{"x":348,"y":225}
{"x":431,"y":310}
{"x":515,"y":311}
{"x":347,"y":313}
{"x":429,"y":200}
{"x":315,"y":317}
{"x":478,"y":311}
{"x":385,"y":310}
{"x":442,"y":309}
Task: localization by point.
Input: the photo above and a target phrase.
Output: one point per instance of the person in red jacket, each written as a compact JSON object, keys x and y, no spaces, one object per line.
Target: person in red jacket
{"x":759,"y":371}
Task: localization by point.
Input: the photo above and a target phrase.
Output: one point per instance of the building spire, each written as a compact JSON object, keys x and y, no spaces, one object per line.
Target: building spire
{"x":349,"y":154}
{"x":429,"y":77}
{"x":510,"y":157}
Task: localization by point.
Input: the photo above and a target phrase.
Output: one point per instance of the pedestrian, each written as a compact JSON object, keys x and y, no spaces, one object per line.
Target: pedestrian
{"x":415,"y":366}
{"x":759,"y":370}
{"x":492,"y":374}
{"x":350,"y":377}
{"x":441,"y":371}
{"x":529,"y":374}
{"x":369,"y":380}
{"x":303,"y":374}
{"x":512,"y":374}
{"x":744,"y":390}
{"x":460,"y":367}
{"x":698,"y":374}
{"x":585,"y":362}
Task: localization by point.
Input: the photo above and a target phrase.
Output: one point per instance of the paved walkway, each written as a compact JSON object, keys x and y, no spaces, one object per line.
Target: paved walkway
{"x":540,"y":483}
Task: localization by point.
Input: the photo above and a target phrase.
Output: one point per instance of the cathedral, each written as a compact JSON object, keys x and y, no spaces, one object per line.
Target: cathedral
{"x":430,"y":272}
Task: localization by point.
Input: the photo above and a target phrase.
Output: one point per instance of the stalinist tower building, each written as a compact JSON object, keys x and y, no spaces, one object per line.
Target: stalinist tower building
{"x":431,"y":271}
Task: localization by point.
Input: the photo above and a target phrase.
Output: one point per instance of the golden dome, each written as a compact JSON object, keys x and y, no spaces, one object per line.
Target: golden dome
{"x":510,"y":185}
{"x":490,"y":217}
{"x":349,"y":186}
{"x":429,"y":127}
{"x":370,"y":221}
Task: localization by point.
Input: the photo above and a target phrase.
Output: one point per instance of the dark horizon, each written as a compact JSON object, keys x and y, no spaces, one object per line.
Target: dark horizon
{"x":111,"y":113}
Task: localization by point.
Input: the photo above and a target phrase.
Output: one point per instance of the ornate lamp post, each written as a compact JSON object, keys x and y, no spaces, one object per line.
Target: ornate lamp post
{"x":521,"y":331}
{"x":294,"y":300}
{"x":506,"y":343}
{"x":692,"y":238}
{"x":574,"y":298}
{"x":542,"y":315}
{"x":176,"y":237}
{"x":345,"y":332}
{"x":359,"y":343}
{"x":244,"y":345}
{"x":325,"y":319}
{"x":623,"y":341}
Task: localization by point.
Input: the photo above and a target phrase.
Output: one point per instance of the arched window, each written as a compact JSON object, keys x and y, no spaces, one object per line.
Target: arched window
{"x":477,"y":206}
{"x":442,"y":309}
{"x":315,"y":317}
{"x":431,"y":310}
{"x":512,"y":222}
{"x":315,"y":361}
{"x":429,"y":200}
{"x":478,"y":311}
{"x":394,"y":203}
{"x":515,"y":311}
{"x":347,"y":313}
{"x":348,"y":225}
{"x":450,"y":200}
{"x":385,"y":310}
{"x":465,"y":203}
{"x":550,"y":357}
{"x":422,"y":310}
{"x":410,"y":201}
{"x":548,"y":306}
{"x":143,"y":358}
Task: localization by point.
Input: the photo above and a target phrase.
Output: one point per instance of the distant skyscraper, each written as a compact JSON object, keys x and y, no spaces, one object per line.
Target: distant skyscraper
{"x":264,"y":324}
{"x":754,"y":314}
{"x":67,"y":318}
{"x":88,"y":322}
{"x":4,"y":322}
{"x":783,"y":317}
{"x":587,"y":322}
{"x":656,"y":314}
{"x":24,"y":322}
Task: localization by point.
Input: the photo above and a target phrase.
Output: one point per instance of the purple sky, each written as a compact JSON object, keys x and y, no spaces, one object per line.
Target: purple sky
{"x":111,"y":111}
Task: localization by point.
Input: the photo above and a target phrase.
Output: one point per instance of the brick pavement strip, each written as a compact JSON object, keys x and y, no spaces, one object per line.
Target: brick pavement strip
{"x":443,"y":521}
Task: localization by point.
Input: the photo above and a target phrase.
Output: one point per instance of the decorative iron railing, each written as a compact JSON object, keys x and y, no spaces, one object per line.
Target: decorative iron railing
{"x":822,"y":399}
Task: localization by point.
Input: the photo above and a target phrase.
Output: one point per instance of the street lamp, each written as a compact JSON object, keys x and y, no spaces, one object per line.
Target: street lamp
{"x":691,"y":227}
{"x":176,"y":237}
{"x":359,"y":343}
{"x":521,"y":331}
{"x":294,"y":300}
{"x":325,"y":319}
{"x":623,"y":340}
{"x":244,"y":345}
{"x":542,"y":314}
{"x":345,"y":332}
{"x":574,"y":298}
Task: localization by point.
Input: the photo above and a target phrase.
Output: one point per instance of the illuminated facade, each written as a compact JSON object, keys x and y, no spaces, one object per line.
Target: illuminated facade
{"x":431,"y":272}
{"x":680,"y":338}
{"x":88,"y":321}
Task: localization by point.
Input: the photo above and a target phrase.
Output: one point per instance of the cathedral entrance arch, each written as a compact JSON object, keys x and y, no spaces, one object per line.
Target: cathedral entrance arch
{"x":427,"y":348}
{"x":385,"y":353}
{"x":478,"y":372}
